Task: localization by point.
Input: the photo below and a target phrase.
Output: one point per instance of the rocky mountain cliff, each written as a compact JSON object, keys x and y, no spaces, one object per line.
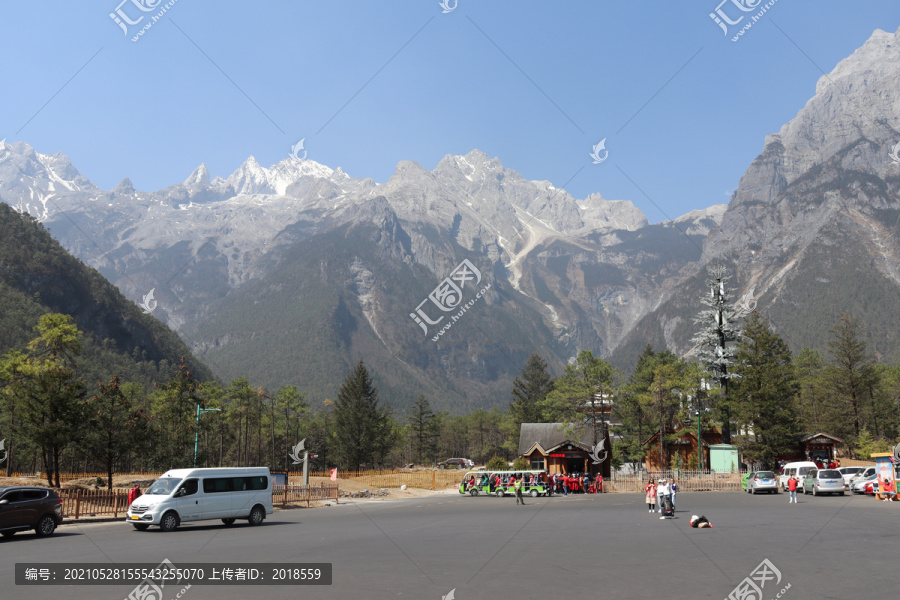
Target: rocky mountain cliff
{"x":445,"y":280}
{"x":812,"y":231}
{"x":564,"y":274}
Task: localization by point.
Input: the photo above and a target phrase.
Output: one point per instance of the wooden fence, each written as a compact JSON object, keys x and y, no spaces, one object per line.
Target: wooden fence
{"x":429,"y":480}
{"x":314,"y":492}
{"x":688,"y":481}
{"x":102,"y":503}
{"x":93,"y":503}
{"x":850,"y":462}
{"x":67,"y":477}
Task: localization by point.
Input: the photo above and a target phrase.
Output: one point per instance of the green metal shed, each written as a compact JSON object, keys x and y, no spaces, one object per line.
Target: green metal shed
{"x":723,"y":458}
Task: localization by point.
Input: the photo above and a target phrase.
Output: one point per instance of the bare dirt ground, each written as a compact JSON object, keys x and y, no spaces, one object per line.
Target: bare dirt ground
{"x":125,"y":482}
{"x":119,"y":482}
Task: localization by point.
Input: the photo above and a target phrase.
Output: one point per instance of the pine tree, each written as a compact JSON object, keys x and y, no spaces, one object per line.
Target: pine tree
{"x":715,"y":340}
{"x":43,"y":395}
{"x":586,"y":386}
{"x":665,"y":401}
{"x":763,"y":394}
{"x":423,"y":424}
{"x":633,"y":405}
{"x":528,"y":395}
{"x":851,"y":373}
{"x":360,"y":424}
{"x":114,"y":425}
{"x":175,"y":404}
{"x":810,"y":401}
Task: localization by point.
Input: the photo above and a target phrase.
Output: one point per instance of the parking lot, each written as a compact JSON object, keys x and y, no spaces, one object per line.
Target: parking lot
{"x":603,"y":545}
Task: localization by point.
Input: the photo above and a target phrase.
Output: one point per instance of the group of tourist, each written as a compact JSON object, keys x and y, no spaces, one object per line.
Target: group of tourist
{"x":576,"y":483}
{"x":497,"y":480}
{"x":559,"y":483}
{"x":658,"y":491}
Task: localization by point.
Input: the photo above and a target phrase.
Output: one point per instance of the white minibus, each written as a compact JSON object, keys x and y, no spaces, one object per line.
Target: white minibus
{"x":183,"y":495}
{"x":798,"y":470}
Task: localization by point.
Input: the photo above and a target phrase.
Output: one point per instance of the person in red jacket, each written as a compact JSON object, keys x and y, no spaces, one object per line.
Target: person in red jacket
{"x":792,"y":490}
{"x":133,"y":494}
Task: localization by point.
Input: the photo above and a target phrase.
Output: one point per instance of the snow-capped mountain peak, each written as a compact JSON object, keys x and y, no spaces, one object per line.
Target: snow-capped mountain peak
{"x":200,"y":177}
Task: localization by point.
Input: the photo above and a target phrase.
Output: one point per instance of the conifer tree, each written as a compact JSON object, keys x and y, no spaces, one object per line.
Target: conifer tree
{"x":851,"y":374}
{"x":423,"y":425}
{"x":763,"y":394}
{"x":586,"y":385}
{"x":716,"y":338}
{"x":361,"y":425}
{"x":529,"y":394}
{"x":114,"y":425}
{"x":42,"y":394}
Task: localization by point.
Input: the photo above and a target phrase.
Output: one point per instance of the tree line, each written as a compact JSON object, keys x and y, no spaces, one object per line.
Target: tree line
{"x":53,"y":421}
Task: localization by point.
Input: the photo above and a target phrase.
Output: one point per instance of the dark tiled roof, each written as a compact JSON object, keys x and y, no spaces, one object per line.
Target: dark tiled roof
{"x":806,"y":438}
{"x":550,"y":435}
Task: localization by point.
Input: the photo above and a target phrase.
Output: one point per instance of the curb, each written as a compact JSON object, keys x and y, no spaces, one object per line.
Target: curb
{"x":86,"y":520}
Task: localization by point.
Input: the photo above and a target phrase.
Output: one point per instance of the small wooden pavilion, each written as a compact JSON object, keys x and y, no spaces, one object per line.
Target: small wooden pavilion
{"x":564,"y":448}
{"x":813,"y":446}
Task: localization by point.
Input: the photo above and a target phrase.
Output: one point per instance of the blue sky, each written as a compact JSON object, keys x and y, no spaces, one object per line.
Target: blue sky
{"x":684,"y":110}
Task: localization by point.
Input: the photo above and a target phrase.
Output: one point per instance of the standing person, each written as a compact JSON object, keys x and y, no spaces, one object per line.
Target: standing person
{"x":599,"y":483}
{"x":651,"y":496}
{"x":662,"y":491}
{"x":133,"y":494}
{"x":673,"y":489}
{"x":518,"y":487}
{"x":792,"y":490}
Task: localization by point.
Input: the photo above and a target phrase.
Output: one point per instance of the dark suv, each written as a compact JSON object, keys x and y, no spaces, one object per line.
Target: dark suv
{"x":26,"y":507}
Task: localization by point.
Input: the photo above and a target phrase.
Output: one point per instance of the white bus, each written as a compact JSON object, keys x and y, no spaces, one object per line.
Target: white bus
{"x":183,"y":495}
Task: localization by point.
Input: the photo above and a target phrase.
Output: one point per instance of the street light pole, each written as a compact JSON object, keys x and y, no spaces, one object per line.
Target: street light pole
{"x":699,"y":441}
{"x":197,"y":428}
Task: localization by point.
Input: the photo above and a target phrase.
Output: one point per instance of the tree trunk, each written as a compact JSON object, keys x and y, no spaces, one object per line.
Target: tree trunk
{"x":48,"y":467}
{"x":56,"y":453}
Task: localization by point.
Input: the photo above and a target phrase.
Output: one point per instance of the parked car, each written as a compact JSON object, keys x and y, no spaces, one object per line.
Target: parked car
{"x":823,"y":481}
{"x":848,"y":473}
{"x":457,"y":463}
{"x":858,"y":485}
{"x":762,"y":481}
{"x":871,"y":487}
{"x":29,"y":507}
{"x":864,"y":474}
{"x":798,"y":470}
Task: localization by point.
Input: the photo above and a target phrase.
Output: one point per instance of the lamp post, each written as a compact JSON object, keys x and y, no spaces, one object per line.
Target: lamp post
{"x":197,"y":429}
{"x":699,"y":441}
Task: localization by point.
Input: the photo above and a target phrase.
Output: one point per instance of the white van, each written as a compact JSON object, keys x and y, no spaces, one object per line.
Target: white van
{"x":798,"y":470}
{"x":182,"y":495}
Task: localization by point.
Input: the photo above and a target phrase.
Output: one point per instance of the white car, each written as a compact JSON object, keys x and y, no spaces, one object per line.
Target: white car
{"x":864,"y":474}
{"x":859,"y":485}
{"x":849,"y":473}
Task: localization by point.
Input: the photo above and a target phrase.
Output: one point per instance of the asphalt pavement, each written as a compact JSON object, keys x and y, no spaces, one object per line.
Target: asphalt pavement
{"x":602,"y":546}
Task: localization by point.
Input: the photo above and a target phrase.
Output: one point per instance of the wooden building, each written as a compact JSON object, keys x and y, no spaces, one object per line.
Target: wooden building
{"x":684,"y":446}
{"x":564,"y":448}
{"x":813,"y":446}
